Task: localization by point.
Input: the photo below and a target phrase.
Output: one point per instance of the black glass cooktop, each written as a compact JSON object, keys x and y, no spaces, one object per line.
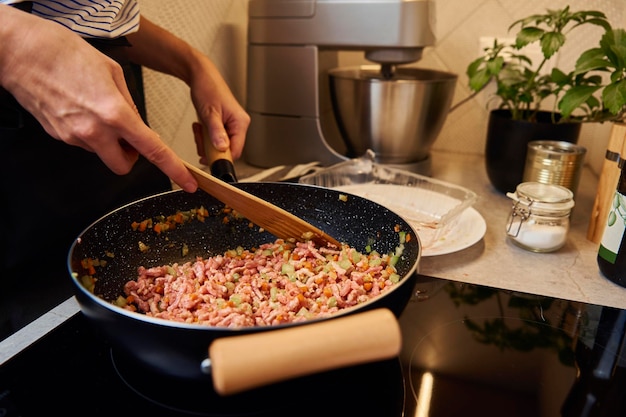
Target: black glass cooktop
{"x":467,"y":350}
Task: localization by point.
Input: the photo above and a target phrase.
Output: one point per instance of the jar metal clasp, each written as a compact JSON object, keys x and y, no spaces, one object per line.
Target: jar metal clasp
{"x":520,"y":212}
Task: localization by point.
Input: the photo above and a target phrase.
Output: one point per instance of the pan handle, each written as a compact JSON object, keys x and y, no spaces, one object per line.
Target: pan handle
{"x":243,"y":362}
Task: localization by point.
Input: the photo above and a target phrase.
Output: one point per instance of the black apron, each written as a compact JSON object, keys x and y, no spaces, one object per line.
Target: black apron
{"x":50,"y":192}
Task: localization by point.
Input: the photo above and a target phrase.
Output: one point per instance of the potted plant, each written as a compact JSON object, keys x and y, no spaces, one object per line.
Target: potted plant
{"x":537,"y":105}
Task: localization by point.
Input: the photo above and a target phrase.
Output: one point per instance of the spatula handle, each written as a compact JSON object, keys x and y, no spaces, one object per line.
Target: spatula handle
{"x":221,"y":162}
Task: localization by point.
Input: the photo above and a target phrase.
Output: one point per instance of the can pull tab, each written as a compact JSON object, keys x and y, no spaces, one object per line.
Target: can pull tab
{"x":519,"y":214}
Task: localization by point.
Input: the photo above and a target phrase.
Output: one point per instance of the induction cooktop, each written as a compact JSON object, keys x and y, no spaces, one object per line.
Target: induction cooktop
{"x":467,"y":350}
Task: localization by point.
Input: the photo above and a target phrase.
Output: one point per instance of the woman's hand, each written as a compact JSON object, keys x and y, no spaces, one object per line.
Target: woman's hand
{"x":226,"y":121}
{"x":217,"y":108}
{"x":78,"y":94}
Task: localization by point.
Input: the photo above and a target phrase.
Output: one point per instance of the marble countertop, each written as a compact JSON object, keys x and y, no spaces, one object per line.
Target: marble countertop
{"x":570,"y":273}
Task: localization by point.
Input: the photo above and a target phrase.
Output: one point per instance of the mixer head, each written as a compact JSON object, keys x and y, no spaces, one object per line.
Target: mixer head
{"x":388,"y":58}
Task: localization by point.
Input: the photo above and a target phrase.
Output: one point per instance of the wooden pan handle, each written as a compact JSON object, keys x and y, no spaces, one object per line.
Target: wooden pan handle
{"x":240,"y":363}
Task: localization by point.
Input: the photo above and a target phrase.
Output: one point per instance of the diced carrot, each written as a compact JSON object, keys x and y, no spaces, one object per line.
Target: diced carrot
{"x":367,"y":286}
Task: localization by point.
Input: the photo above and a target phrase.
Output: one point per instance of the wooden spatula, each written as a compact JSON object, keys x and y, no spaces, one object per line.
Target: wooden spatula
{"x":270,"y":217}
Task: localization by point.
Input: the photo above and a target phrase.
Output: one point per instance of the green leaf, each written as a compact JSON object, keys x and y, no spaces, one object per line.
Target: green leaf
{"x":613,"y":44}
{"x":528,"y":35}
{"x":593,"y":102}
{"x":619,"y":51}
{"x":494,"y":67}
{"x":601,"y":21}
{"x":479,"y":79}
{"x":551,"y":42}
{"x":559,"y":77}
{"x":574,"y":98}
{"x":591,"y":59}
{"x":473,"y":67}
{"x":614,"y":96}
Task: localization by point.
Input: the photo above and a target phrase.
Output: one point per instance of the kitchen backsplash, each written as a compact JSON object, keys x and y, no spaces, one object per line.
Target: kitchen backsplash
{"x":218,"y":27}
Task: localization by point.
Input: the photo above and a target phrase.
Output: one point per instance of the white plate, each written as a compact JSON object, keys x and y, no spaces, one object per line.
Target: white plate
{"x":470,"y":228}
{"x":420,"y":207}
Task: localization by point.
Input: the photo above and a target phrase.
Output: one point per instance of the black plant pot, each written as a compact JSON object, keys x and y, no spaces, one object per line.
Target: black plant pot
{"x":507,"y":144}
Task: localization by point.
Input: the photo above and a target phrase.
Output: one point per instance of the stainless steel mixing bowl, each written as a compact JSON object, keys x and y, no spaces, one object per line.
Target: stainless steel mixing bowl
{"x":399,"y":118}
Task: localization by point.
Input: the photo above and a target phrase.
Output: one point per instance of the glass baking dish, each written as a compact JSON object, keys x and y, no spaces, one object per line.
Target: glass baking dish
{"x":431,"y":206}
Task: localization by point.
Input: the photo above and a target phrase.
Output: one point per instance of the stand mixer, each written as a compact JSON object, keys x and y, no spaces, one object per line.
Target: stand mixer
{"x":293,"y":48}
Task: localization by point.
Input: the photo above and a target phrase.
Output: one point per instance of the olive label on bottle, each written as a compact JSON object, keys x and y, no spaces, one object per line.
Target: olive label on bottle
{"x":614,"y":230}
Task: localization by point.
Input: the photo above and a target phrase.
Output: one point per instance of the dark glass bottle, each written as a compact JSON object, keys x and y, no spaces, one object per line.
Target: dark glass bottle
{"x":612,"y":249}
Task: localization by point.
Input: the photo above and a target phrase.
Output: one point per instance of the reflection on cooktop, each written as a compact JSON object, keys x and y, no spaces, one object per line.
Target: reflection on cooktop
{"x":473,"y":350}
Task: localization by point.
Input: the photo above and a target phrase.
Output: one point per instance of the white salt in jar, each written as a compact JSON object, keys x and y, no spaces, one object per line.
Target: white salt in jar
{"x":539,"y":218}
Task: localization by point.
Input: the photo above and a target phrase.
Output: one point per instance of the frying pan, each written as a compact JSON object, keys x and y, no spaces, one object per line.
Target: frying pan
{"x":179,"y":350}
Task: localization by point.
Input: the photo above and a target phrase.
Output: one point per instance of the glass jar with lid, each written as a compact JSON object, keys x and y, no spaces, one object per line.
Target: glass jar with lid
{"x":540,"y":216}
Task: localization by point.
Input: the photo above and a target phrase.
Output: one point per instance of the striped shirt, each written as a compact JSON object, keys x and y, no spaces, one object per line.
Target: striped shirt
{"x":90,"y":18}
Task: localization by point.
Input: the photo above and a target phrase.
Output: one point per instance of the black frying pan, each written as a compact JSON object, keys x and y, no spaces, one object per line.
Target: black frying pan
{"x":179,"y":350}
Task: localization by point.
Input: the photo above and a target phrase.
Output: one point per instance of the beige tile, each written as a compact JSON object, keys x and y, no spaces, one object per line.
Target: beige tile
{"x":453,"y":13}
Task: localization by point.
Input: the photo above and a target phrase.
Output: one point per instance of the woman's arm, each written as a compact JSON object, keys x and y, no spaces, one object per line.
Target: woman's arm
{"x":158,"y":49}
{"x":78,"y":94}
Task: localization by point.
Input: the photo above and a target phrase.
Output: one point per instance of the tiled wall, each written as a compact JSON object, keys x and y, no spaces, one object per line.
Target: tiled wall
{"x":218,"y":27}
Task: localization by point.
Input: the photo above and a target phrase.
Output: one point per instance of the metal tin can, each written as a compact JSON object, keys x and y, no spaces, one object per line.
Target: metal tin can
{"x":540,"y":216}
{"x":554,"y":162}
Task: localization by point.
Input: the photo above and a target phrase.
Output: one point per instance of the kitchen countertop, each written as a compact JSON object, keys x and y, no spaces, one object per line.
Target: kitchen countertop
{"x":570,"y":273}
